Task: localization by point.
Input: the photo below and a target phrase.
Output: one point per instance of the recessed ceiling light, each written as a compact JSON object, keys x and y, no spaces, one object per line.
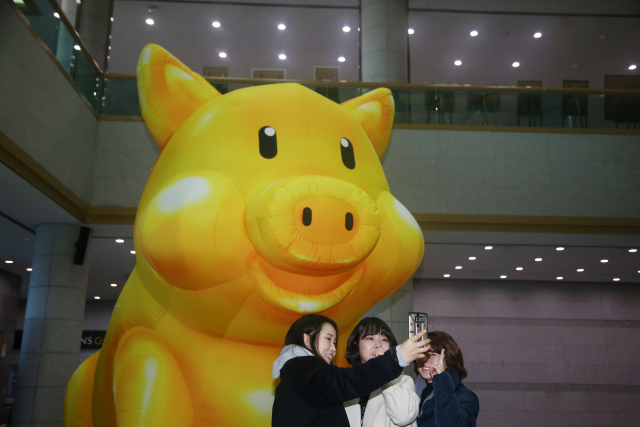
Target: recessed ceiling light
{"x":601,"y":37}
{"x":617,"y":279}
{"x":29,"y":269}
{"x":9,"y":261}
{"x":488,"y":248}
{"x":282,"y":27}
{"x":133,"y":252}
{"x":119,"y":241}
{"x":112,"y":19}
{"x":222,"y":55}
{"x":458,"y":62}
{"x":472,"y":258}
{"x":76,"y":47}
{"x":519,"y":268}
{"x":632,"y":67}
{"x":559,"y":248}
{"x":537,"y":35}
{"x":574,"y":66}
{"x":559,"y":278}
{"x":57,"y":15}
{"x":346,"y":28}
{"x":149,"y":21}
{"x":282,"y":56}
{"x":538,"y":259}
{"x":410,"y":31}
{"x":604,"y":260}
{"x":96,"y":297}
{"x":113,"y":285}
{"x":515,"y":64}
{"x":580,"y":270}
{"x":458,"y":267}
{"x":633,"y":250}
{"x":503,"y":277}
{"x":341,"y":59}
{"x":473,"y":33}
{"x":447,"y":275}
{"x":215,"y":24}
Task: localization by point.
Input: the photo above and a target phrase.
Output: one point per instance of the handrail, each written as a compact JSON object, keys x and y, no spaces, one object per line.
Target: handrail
{"x":407,"y":86}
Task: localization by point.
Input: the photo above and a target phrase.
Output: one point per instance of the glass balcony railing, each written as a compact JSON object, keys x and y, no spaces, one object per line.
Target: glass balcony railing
{"x":435,"y":105}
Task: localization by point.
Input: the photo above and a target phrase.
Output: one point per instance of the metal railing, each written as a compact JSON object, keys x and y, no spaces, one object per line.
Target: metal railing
{"x":445,"y":105}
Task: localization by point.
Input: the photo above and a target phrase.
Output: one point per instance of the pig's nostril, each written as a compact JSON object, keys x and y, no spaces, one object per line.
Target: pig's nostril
{"x":306,"y":216}
{"x":348,"y":221}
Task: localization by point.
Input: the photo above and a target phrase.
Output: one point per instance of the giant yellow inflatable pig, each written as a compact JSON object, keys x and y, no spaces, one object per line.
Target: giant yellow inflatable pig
{"x":265,"y":204}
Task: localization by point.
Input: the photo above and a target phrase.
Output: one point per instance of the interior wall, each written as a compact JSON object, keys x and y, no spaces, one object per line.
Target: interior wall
{"x":9,"y":312}
{"x":543,"y":353}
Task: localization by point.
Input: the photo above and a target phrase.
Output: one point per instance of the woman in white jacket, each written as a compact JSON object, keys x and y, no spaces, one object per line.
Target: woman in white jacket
{"x":393,"y":405}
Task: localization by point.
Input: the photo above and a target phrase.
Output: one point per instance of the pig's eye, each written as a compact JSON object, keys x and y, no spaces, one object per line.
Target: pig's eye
{"x":346,"y":148}
{"x":268,"y":142}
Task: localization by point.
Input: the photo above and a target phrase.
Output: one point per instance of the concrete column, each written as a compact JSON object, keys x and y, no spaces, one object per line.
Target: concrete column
{"x":394,"y":311}
{"x":52,"y":327}
{"x":94,"y":26}
{"x":384,"y":41}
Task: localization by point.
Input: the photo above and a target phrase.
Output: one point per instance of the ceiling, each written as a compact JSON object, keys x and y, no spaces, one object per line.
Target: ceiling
{"x":578,"y":43}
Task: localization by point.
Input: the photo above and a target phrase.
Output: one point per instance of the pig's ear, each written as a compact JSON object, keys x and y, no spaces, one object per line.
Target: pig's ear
{"x":374,"y":111}
{"x":169,"y":92}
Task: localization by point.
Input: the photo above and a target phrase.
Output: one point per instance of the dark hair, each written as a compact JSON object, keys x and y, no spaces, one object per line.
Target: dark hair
{"x":452,"y":353}
{"x":367,"y":326}
{"x":310,"y":324}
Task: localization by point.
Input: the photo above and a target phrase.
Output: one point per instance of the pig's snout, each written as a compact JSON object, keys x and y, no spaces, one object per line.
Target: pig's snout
{"x":313,"y":225}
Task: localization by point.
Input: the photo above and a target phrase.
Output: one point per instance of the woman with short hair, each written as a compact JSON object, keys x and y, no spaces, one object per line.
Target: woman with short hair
{"x":395,"y":403}
{"x":444,"y":400}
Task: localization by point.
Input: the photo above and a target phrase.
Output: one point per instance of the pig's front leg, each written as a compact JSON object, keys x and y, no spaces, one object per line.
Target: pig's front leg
{"x":149,"y":389}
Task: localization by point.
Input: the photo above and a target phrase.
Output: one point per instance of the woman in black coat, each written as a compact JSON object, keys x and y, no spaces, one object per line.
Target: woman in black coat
{"x":444,"y":400}
{"x":311,"y":389}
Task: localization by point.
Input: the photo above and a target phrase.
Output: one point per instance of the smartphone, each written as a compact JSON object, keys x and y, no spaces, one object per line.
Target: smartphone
{"x":418,"y":322}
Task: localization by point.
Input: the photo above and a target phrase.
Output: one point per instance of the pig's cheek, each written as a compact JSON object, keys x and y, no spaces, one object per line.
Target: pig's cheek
{"x":192,"y":232}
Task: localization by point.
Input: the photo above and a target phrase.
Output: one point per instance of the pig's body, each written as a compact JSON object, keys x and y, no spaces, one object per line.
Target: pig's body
{"x":265,"y":204}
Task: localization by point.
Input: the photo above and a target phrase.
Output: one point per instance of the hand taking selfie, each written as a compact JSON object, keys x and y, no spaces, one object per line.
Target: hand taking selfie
{"x":413,"y":349}
{"x":440,"y":366}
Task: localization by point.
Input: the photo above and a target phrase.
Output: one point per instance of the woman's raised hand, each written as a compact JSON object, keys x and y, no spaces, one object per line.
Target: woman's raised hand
{"x":439,"y":367}
{"x":413,"y":349}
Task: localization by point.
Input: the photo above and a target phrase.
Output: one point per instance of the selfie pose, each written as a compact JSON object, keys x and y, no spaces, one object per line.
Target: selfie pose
{"x":312,"y":390}
{"x":444,"y":400}
{"x":393,"y":404}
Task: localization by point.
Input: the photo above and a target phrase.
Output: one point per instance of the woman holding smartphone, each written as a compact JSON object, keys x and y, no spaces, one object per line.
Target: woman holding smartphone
{"x":395,"y":403}
{"x":444,"y":400}
{"x":311,"y":389}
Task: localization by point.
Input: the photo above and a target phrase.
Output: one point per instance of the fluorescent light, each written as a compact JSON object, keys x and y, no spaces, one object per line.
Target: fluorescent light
{"x":346,"y":29}
{"x":282,"y":56}
{"x":580,"y":270}
{"x":342,"y":59}
{"x":282,"y":27}
{"x":119,"y":241}
{"x":215,"y":24}
{"x":472,"y":258}
{"x":447,"y":275}
{"x":9,"y":261}
{"x":76,"y":47}
{"x":458,"y":267}
{"x":222,"y":55}
{"x":473,"y":33}
{"x":113,"y":285}
{"x":96,"y":297}
{"x":133,"y":252}
{"x":559,"y":248}
{"x":538,"y":259}
{"x":632,"y":67}
{"x":56,"y":14}
{"x":503,"y":277}
{"x":458,"y":62}
{"x":149,"y":22}
{"x":537,"y":35}
{"x":29,"y":269}
{"x":488,"y":248}
{"x":559,"y":278}
{"x":604,"y":260}
{"x":617,"y":279}
{"x":515,"y":64}
{"x":633,"y":250}
{"x":410,"y":31}
{"x":519,"y":268}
